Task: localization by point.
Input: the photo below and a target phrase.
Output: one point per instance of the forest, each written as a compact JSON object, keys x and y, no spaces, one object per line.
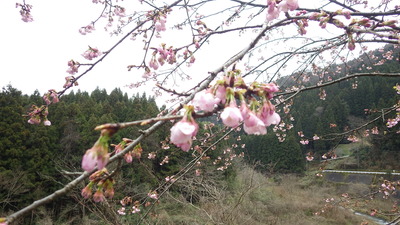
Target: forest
{"x":39,"y":159}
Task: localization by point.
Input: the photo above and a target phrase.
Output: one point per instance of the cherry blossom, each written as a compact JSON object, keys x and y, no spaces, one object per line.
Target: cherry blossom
{"x":69,"y":81}
{"x":287,"y":5}
{"x":153,"y":195}
{"x":205,"y":101}
{"x":87,"y":29}
{"x":51,"y":97}
{"x":231,"y":116}
{"x":135,"y":209}
{"x":91,"y":53}
{"x":220,"y":93}
{"x":151,"y":155}
{"x":89,"y":160}
{"x":109,"y":192}
{"x":182,"y":134}
{"x":268,"y":115}
{"x":47,"y":123}
{"x":304,"y":142}
{"x":183,"y":131}
{"x":159,"y":23}
{"x":25,"y":12}
{"x":153,"y":63}
{"x":87,"y":191}
{"x":72,"y":67}
{"x":119,"y":11}
{"x":273,"y":11}
{"x":98,"y":196}
{"x":121,"y":211}
{"x":98,"y":154}
{"x":252,"y":124}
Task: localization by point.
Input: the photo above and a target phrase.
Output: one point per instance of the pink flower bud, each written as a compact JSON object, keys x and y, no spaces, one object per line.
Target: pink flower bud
{"x":109,"y":193}
{"x":128,"y":157}
{"x":98,"y":196}
{"x":86,"y":192}
{"x":89,"y":160}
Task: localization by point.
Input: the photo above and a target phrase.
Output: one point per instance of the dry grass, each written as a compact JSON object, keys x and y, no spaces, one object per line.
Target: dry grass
{"x":254,"y":199}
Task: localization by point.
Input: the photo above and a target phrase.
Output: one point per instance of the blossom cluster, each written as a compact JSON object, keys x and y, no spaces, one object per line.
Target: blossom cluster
{"x":387,"y":188}
{"x":255,"y":109}
{"x":69,"y":81}
{"x":275,"y":9}
{"x":25,"y":12}
{"x":38,"y":114}
{"x":86,"y":29}
{"x":73,"y":67}
{"x":164,"y":55}
{"x":91,"y":53}
{"x":135,"y":153}
{"x":103,"y":183}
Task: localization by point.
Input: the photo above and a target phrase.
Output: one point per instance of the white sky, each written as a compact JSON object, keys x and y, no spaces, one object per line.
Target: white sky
{"x":34,"y":55}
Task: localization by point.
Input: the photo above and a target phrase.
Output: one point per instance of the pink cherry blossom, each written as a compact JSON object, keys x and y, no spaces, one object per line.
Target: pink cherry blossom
{"x":273,"y":11}
{"x":98,"y":196}
{"x":119,"y":11}
{"x":25,"y":12}
{"x":220,"y":93}
{"x":89,"y":160}
{"x":183,"y":132}
{"x":34,"y":120}
{"x":153,"y":195}
{"x":69,"y":81}
{"x":102,"y":160}
{"x":304,"y":142}
{"x":91,"y":53}
{"x":151,"y":155}
{"x":88,"y":29}
{"x":287,"y":5}
{"x":268,"y":115}
{"x":121,"y":211}
{"x":153,"y":63}
{"x":205,"y":101}
{"x":135,"y":209}
{"x":252,"y":124}
{"x":47,"y":123}
{"x":128,"y":157}
{"x":258,"y":129}
{"x":159,"y":23}
{"x":231,"y":116}
{"x":309,"y":158}
{"x":87,"y":192}
{"x":109,"y":193}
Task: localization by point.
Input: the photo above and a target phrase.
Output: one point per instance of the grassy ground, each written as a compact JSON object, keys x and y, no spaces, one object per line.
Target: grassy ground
{"x":253,"y":198}
{"x":347,"y":149}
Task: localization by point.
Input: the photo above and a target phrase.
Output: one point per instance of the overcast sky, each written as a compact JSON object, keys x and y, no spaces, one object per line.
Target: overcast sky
{"x":34,"y":55}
